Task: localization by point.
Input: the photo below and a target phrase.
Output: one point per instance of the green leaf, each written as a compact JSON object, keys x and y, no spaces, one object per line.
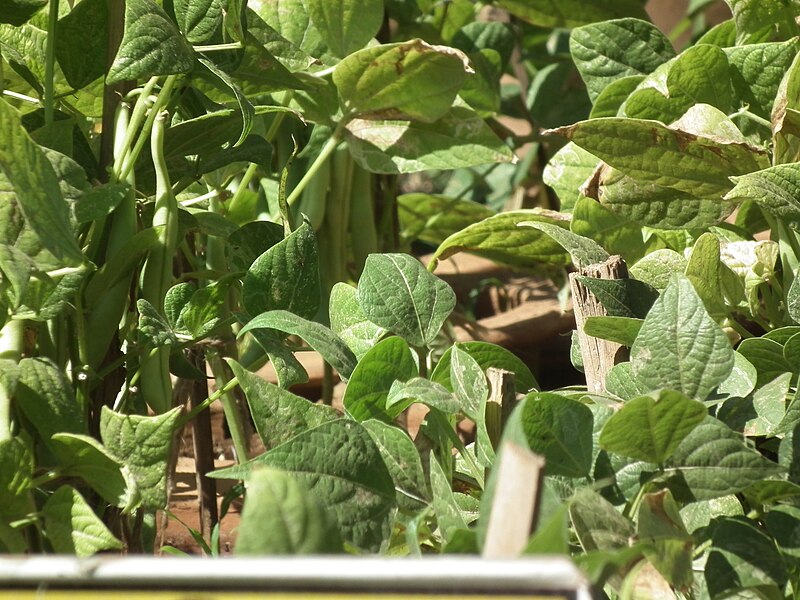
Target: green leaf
{"x":487,"y":356}
{"x":46,"y":398}
{"x":16,"y":479}
{"x":251,"y":240}
{"x":142,"y":444}
{"x":659,"y":523}
{"x":81,"y":42}
{"x":365,"y":396}
{"x":775,"y":189}
{"x":713,"y":461}
{"x":680,"y":347}
{"x":582,"y":250}
{"x":285,"y":277}
{"x":349,"y":321}
{"x":83,"y":456}
{"x":17,"y":12}
{"x":459,"y":139}
{"x":319,"y":337}
{"x":346,"y":26}
{"x":767,"y":357}
{"x":572,"y":13}
{"x":151,"y":45}
{"x":559,"y":429}
{"x":742,"y":557}
{"x":612,"y":231}
{"x":154,"y":330}
{"x":278,"y":414}
{"x":406,"y":80}
{"x":500,"y":239}
{"x":704,"y":270}
{"x":342,"y":467}
{"x":742,"y":379}
{"x":567,"y":171}
{"x":650,"y":429}
{"x":99,"y":201}
{"x":621,"y":382}
{"x":282,"y":516}
{"x":656,"y":154}
{"x":432,"y":218}
{"x":72,"y":527}
{"x":761,"y":413}
{"x":608,"y":51}
{"x":658,"y":267}
{"x":782,"y":523}
{"x":469,"y":383}
{"x":199,"y":20}
{"x":598,"y":525}
{"x":609,"y":102}
{"x":622,"y":330}
{"x":424,"y":391}
{"x":449,"y":517}
{"x":36,"y":187}
{"x":752,"y":17}
{"x":404,"y":463}
{"x":397,"y":293}
{"x":622,"y":297}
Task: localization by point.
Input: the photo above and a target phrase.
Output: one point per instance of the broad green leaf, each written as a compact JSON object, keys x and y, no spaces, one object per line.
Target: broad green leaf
{"x":342,"y":467}
{"x":742,"y":556}
{"x":319,"y":337}
{"x":81,"y":42}
{"x":17,"y":12}
{"x":699,"y":514}
{"x":16,"y":479}
{"x":654,"y":153}
{"x":483,"y":35}
{"x":567,"y":171}
{"x":713,"y":461}
{"x":72,"y":527}
{"x":786,"y":117}
{"x":759,"y":414}
{"x":783,"y":522}
{"x":459,"y":139}
{"x":432,"y":218}
{"x":622,"y":330}
{"x":572,"y":13}
{"x":559,"y":429}
{"x":499,"y":238}
{"x":487,"y":356}
{"x":650,"y":429}
{"x":613,"y":96}
{"x":251,"y":240}
{"x":605,"y":52}
{"x":349,"y":321}
{"x":621,"y":382}
{"x":469,"y":382}
{"x":406,"y":80}
{"x":99,"y":201}
{"x":36,"y":187}
{"x":770,"y":491}
{"x":282,"y":516}
{"x":142,"y":444}
{"x":598,"y":525}
{"x":365,"y":396}
{"x":199,"y":20}
{"x":760,"y":69}
{"x":83,"y":456}
{"x":154,"y":331}
{"x":45,"y":396}
{"x":622,"y":297}
{"x":657,"y":268}
{"x":609,"y":229}
{"x":752,"y":17}
{"x":397,"y":293}
{"x":704,"y":271}
{"x":404,"y":463}
{"x":151,"y":45}
{"x":278,"y":414}
{"x":680,"y":347}
{"x":775,"y":189}
{"x":449,"y":517}
{"x":424,"y":391}
{"x":582,"y":250}
{"x":346,"y":26}
{"x":767,"y":357}
{"x":653,"y":205}
{"x":295,"y":38}
{"x":260,"y":153}
{"x":742,"y":379}
{"x":285,"y":277}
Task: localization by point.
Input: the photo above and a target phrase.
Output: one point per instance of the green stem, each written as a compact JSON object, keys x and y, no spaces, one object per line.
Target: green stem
{"x":279,"y":117}
{"x":12,"y":339}
{"x":50,"y":63}
{"x":326,"y":151}
{"x":218,"y":47}
{"x":137,"y":117}
{"x":230,"y":406}
{"x":744,"y":112}
{"x":187,"y":417}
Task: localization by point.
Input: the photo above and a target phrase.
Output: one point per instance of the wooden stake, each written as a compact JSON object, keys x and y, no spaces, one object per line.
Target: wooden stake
{"x":516,"y":502}
{"x":502,"y":398}
{"x":598,"y":355}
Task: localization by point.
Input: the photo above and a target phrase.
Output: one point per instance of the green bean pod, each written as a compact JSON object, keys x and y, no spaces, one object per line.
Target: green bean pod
{"x":337,"y":212}
{"x":103,"y":321}
{"x":363,"y":232}
{"x":313,"y":201}
{"x":155,"y":382}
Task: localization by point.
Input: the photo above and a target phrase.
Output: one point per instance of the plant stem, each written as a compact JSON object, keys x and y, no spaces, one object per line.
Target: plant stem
{"x":137,"y":116}
{"x":326,"y":151}
{"x":22,"y":97}
{"x":50,"y":63}
{"x":228,"y":387}
{"x":218,"y":47}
